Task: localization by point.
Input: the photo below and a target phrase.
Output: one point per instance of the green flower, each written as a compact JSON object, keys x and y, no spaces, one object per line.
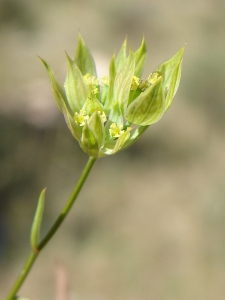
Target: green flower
{"x":109,"y":114}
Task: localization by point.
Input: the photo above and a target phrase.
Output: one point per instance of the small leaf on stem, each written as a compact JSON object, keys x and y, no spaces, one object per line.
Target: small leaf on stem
{"x":35,"y":230}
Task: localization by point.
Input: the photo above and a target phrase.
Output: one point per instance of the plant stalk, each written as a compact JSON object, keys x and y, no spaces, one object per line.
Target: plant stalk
{"x":35,"y":252}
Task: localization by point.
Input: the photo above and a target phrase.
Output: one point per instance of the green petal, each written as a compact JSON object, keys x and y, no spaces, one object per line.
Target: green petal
{"x":112,"y":146}
{"x":135,"y":135}
{"x":121,"y":141}
{"x":108,"y":148}
{"x":122,"y":56}
{"x":88,"y":142}
{"x":97,"y":127}
{"x":170,"y":71}
{"x":84,"y":59}
{"x":115,"y":116}
{"x":112,"y":74}
{"x":91,"y":105}
{"x":58,"y":92}
{"x":148,"y":107}
{"x":140,"y":57}
{"x":75,"y":86}
{"x":123,"y":82}
{"x":73,"y":127}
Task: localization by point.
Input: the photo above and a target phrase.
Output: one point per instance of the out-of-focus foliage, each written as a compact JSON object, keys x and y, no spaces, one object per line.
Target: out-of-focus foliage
{"x":150,"y":221}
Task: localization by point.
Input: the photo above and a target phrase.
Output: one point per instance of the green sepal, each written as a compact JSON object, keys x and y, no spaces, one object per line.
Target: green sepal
{"x":108,"y":146}
{"x":57,"y":90}
{"x":121,"y":141}
{"x":89,"y":142}
{"x":75,"y":129}
{"x":112,"y":146}
{"x":123,"y":82}
{"x":84,"y":59}
{"x":97,"y":127}
{"x":148,"y":107}
{"x":92,"y":104}
{"x":35,"y":229}
{"x":115,"y":116}
{"x":170,"y":71}
{"x":121,"y":57}
{"x":104,"y":96}
{"x":75,"y":86}
{"x":135,"y":135}
{"x":112,"y":75}
{"x":133,"y":95}
{"x":140,"y":57}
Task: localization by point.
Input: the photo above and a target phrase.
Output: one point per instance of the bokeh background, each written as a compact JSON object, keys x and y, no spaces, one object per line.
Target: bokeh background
{"x":150,"y":222}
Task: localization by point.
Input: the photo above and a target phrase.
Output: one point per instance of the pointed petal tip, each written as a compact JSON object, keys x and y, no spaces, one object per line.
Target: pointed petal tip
{"x":43,"y":61}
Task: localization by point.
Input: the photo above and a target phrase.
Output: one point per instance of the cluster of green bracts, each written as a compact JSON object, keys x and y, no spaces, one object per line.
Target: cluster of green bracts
{"x":108,"y":115}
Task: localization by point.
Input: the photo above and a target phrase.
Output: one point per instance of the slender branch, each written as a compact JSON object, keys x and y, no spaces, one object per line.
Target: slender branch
{"x":69,"y":203}
{"x":21,"y":278}
{"x":35,"y":252}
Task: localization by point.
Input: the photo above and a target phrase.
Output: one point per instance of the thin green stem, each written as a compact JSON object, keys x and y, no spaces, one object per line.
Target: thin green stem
{"x":35,"y":252}
{"x":69,"y":203}
{"x":24,"y":272}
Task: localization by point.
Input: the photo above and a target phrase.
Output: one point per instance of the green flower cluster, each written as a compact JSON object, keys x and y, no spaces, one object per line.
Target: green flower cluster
{"x":109,"y":114}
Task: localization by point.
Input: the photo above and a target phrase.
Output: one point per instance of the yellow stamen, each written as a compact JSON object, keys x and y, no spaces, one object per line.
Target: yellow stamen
{"x":102,"y":116}
{"x":81,"y":118}
{"x":135,"y":83}
{"x":116,"y":130}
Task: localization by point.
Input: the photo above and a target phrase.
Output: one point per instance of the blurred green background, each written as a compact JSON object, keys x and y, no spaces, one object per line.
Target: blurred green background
{"x":150,"y":222}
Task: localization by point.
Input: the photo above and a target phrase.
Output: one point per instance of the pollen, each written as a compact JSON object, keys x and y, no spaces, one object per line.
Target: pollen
{"x":116,"y":130}
{"x":81,"y":118}
{"x":92,"y":82}
{"x":105,"y":80}
{"x":135,"y":83}
{"x":153,"y":77}
{"x":102,"y":116}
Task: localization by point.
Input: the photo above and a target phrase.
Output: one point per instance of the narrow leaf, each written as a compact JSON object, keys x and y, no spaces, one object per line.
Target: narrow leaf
{"x":121,"y":141}
{"x":73,"y":127}
{"x":108,"y":147}
{"x":56,"y":88}
{"x":175,"y":80}
{"x":75,"y":86}
{"x":123,"y":82}
{"x":140,"y":57}
{"x":115,"y":115}
{"x":88,"y":142}
{"x":35,"y":230}
{"x":112,"y":74}
{"x":84,"y":59}
{"x":92,"y":104}
{"x":170,"y":71}
{"x":96,"y":125}
{"x":148,"y":107}
{"x":135,"y":135}
{"x":122,"y":56}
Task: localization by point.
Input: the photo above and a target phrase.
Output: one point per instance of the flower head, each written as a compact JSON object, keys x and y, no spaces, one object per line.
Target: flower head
{"x":109,"y":114}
